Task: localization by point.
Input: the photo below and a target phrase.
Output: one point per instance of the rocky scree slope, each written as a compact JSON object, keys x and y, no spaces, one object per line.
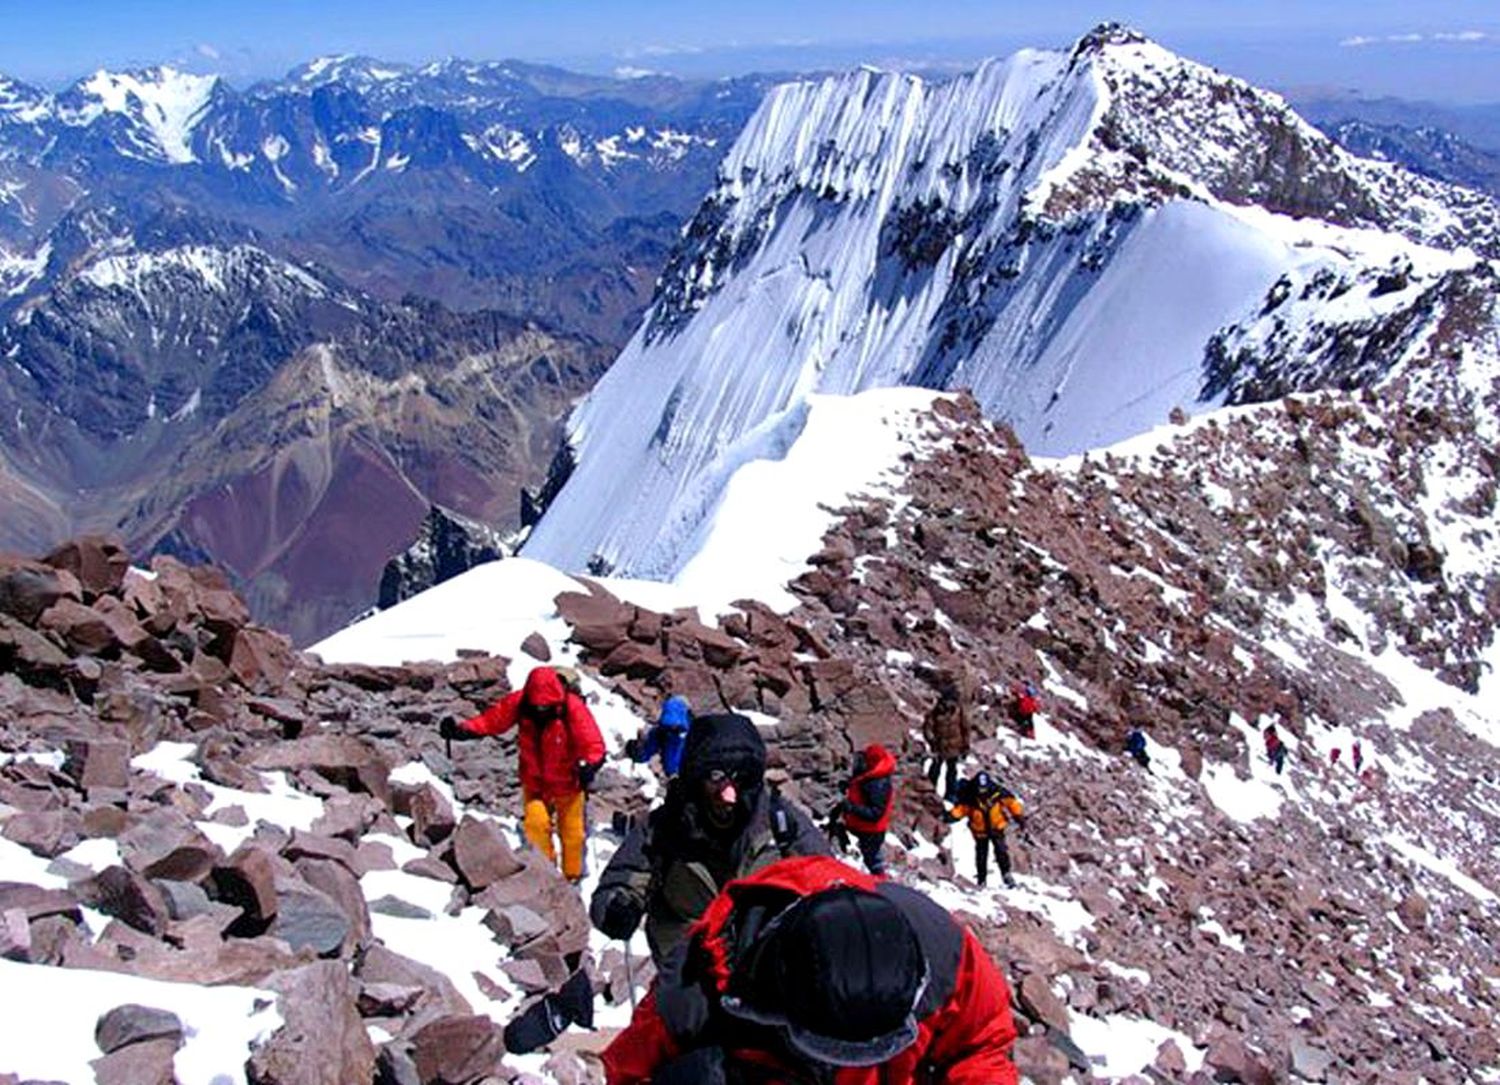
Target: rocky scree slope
{"x":1326,"y":562}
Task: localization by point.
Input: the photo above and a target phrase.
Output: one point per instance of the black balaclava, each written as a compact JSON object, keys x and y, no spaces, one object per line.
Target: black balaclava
{"x":728,"y":743}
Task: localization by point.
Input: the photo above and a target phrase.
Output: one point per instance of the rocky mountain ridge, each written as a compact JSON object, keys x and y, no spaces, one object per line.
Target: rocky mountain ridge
{"x":1087,"y":240}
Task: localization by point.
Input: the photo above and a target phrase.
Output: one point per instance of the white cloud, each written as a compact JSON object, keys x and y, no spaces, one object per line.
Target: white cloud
{"x":1463,"y":36}
{"x":658,"y":50}
{"x":627,"y":72}
{"x":208,"y":51}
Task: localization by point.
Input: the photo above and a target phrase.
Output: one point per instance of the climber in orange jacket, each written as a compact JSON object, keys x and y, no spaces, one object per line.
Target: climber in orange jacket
{"x":559,"y":750}
{"x":989,"y":808}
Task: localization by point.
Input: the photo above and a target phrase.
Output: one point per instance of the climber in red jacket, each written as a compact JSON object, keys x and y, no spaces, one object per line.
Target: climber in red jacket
{"x":559,"y":750}
{"x":811,"y":970}
{"x":868,"y":801}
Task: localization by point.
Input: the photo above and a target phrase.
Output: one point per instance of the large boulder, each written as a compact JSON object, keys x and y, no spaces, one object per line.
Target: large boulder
{"x":342,"y":759}
{"x":166,"y":844}
{"x":323,"y":1041}
{"x":99,"y":563}
{"x":457,"y":1050}
{"x":482,"y":855}
{"x":27,"y":588}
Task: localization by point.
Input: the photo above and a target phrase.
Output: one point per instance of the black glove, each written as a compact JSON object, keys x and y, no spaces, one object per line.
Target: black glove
{"x":621,"y":916}
{"x":633,"y":748}
{"x":450,"y":730}
{"x":546,"y":1019}
{"x":587,"y":770}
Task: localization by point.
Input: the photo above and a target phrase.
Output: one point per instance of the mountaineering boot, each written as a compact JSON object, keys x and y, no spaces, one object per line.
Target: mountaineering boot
{"x":1010,"y":883}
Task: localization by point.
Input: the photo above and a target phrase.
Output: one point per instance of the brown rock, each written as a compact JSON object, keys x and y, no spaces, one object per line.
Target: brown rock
{"x":1413,"y":910}
{"x":28,"y":651}
{"x":432,"y":816}
{"x":44,"y":832}
{"x":379,"y":965}
{"x":15,"y":935}
{"x":122,"y":893}
{"x":457,"y":1050}
{"x":1034,"y":995}
{"x":38,"y":903}
{"x":600,"y":622}
{"x":1039,"y":1061}
{"x":633,"y":660}
{"x":481,"y":854}
{"x":336,"y":882}
{"x":133,"y":1024}
{"x":1232,"y":1061}
{"x":260,"y":659}
{"x":166,"y":844}
{"x":247,"y":880}
{"x":323,"y":1040}
{"x":81,"y":627}
{"x":27,"y":588}
{"x":99,"y":563}
{"x":342,"y":759}
{"x":308,"y":845}
{"x":537,"y":648}
{"x":146,"y":1063}
{"x":1170,"y":1060}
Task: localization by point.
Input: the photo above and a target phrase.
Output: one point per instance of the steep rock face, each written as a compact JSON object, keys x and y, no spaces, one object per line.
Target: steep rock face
{"x":1075,"y":237}
{"x":312,"y":484}
{"x":446,"y":545}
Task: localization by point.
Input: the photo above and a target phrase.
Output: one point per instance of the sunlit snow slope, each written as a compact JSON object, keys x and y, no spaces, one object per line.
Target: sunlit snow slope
{"x":1063,"y":233}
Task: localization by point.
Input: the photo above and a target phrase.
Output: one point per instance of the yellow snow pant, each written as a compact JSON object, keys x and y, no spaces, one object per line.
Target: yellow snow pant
{"x":568,"y":812}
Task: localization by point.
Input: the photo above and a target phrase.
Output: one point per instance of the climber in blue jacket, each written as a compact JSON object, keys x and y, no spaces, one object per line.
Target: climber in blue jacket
{"x":667,"y":736}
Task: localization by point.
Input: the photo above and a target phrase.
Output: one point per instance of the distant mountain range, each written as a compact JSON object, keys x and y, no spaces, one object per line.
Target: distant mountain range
{"x":271,"y":327}
{"x":1457,"y":144}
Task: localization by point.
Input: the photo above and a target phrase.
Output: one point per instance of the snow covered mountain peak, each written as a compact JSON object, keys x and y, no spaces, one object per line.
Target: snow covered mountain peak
{"x":161,"y":107}
{"x":1068,"y":234}
{"x":358,"y":72}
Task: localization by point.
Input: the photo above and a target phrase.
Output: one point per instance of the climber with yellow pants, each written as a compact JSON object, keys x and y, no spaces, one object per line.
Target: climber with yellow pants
{"x":559,"y":750}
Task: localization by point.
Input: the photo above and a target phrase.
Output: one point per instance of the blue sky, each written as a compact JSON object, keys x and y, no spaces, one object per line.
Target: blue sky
{"x":1441,"y":49}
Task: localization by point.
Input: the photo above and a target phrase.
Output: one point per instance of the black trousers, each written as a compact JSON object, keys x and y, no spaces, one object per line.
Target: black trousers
{"x":937,"y":768}
{"x":982,"y":845}
{"x":872,"y":851}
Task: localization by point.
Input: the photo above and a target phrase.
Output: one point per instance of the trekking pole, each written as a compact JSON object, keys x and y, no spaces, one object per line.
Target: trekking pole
{"x":629,"y":972}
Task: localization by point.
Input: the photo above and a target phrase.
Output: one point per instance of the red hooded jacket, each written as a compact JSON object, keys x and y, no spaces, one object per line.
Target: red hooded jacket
{"x":550,"y":750}
{"x":964,"y":1039}
{"x":880,"y":763}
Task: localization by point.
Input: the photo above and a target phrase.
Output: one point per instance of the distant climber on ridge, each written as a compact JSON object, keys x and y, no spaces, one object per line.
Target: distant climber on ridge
{"x":811,"y":971}
{"x":666,"y":737}
{"x":869,"y":798}
{"x":1275,"y":748}
{"x":1025,"y":703}
{"x":989,"y":808}
{"x":719,"y":821}
{"x":559,"y":750}
{"x":1135,"y":746}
